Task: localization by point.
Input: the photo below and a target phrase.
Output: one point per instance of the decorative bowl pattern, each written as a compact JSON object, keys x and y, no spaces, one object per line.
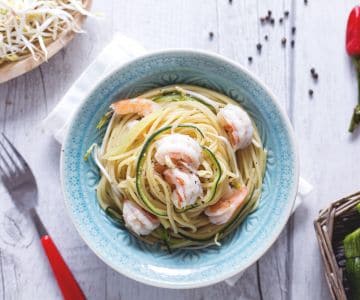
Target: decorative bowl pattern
{"x":182,"y":268}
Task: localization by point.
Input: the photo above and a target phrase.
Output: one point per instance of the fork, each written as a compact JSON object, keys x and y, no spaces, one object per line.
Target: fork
{"x":20,"y":183}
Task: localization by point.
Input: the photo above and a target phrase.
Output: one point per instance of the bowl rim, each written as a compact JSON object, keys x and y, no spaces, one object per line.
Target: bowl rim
{"x":160,"y":283}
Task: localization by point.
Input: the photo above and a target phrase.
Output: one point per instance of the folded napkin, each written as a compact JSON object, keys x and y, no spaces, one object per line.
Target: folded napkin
{"x":119,"y":51}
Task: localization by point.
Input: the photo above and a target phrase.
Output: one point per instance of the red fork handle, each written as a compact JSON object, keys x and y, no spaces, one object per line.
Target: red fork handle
{"x":70,"y":289}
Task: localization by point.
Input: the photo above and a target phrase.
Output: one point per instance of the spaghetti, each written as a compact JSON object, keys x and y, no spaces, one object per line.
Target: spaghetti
{"x":180,"y":165}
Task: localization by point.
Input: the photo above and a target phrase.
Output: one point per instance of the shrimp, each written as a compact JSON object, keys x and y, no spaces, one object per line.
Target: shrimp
{"x":186,"y":187}
{"x":138,"y":220}
{"x":237,"y":125}
{"x":178,"y":150}
{"x":140,"y":106}
{"x":223,"y":210}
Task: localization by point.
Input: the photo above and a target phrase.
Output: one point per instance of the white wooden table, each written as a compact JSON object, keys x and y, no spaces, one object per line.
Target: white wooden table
{"x":292,"y":269}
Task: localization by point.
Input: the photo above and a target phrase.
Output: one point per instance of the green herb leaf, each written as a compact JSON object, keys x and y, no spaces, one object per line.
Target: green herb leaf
{"x":103,"y":120}
{"x":89,"y":151}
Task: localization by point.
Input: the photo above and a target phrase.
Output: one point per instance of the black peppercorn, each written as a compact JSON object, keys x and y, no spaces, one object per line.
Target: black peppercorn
{"x":311,"y":92}
{"x":293,"y":30}
{"x":211,"y":35}
{"x":286,"y":13}
{"x":314,"y":74}
{"x":250,"y":59}
{"x":292,"y":43}
{"x":283,"y":41}
{"x":258,"y":47}
{"x":281,"y":20}
{"x":266,"y":37}
{"x":272,"y":21}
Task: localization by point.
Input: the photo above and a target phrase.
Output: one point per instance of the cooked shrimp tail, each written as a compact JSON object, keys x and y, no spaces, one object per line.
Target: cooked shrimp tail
{"x":140,"y":106}
{"x":186,"y":187}
{"x":138,"y":220}
{"x":222,"y":211}
{"x":237,"y":124}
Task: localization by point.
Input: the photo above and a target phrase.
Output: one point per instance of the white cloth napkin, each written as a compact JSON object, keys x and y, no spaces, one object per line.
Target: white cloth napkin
{"x":119,"y":51}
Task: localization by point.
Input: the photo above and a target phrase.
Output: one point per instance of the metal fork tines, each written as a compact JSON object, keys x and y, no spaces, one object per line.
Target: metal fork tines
{"x":18,"y":179}
{"x":13,"y":167}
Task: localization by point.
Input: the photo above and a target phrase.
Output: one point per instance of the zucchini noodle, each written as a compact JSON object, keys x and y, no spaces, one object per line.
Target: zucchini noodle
{"x":127,"y":164}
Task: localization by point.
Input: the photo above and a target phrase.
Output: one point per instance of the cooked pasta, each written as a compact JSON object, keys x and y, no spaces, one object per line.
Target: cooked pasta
{"x":180,"y":165}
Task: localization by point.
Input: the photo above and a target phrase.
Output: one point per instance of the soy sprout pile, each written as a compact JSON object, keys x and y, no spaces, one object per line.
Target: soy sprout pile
{"x":28,"y":26}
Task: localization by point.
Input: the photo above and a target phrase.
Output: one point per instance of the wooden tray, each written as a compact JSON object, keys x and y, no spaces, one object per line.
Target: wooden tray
{"x":331,"y":227}
{"x":11,"y":70}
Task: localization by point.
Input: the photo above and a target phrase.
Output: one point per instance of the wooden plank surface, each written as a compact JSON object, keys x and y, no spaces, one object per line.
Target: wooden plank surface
{"x":292,"y":268}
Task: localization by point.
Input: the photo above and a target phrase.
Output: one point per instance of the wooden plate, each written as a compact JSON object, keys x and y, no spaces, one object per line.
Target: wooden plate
{"x":14,"y":69}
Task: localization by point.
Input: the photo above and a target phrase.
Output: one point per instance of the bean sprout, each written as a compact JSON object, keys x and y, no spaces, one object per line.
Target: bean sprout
{"x":28,"y":26}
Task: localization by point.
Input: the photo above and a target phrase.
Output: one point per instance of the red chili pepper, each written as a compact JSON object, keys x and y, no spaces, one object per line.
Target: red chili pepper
{"x":353,"y":49}
{"x":353,"y":32}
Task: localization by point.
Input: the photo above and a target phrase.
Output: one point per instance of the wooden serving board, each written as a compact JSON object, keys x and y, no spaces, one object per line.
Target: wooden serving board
{"x":11,"y":70}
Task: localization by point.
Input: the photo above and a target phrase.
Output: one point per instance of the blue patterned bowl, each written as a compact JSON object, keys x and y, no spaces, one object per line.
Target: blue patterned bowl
{"x":182,"y":268}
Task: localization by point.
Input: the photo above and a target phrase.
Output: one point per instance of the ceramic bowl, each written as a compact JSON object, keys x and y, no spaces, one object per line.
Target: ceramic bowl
{"x":182,"y":268}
